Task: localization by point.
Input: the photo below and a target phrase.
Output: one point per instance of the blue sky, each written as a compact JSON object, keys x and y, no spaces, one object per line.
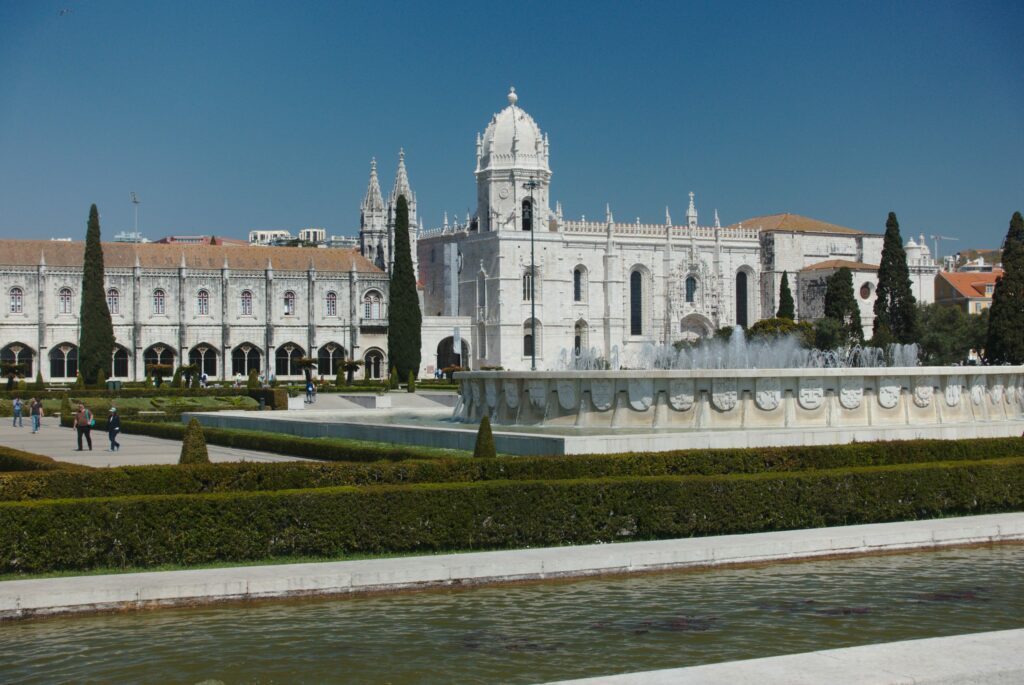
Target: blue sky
{"x":228,"y":116}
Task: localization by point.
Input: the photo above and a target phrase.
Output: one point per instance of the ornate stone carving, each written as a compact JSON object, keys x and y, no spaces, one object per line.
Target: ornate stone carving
{"x":491,"y":392}
{"x":601,"y":394}
{"x":511,"y":393}
{"x":811,"y":393}
{"x":924,"y":389}
{"x":978,"y":390}
{"x":566,"y":393}
{"x":537,"y":389}
{"x":953,"y":384}
{"x":768,"y":393}
{"x":477,"y":393}
{"x":641,"y":393}
{"x":889,"y":392}
{"x":851,"y":391}
{"x":681,"y":394}
{"x":723,"y":393}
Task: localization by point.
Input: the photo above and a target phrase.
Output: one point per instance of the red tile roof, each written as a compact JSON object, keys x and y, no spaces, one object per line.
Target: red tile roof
{"x":971,"y":284}
{"x":794,"y":222}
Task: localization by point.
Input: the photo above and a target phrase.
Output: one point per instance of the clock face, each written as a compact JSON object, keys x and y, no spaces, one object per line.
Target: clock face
{"x":503,"y":191}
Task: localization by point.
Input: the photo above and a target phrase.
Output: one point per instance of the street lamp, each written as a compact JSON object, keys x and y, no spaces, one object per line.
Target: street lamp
{"x":531,"y":185}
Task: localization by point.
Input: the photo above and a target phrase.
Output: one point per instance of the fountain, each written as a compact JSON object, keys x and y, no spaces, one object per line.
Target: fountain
{"x":739,"y":392}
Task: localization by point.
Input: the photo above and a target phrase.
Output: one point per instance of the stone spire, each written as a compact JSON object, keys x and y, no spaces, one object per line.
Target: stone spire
{"x":718,"y":224}
{"x":668,"y":217}
{"x":401,"y":182}
{"x":691,"y":213}
{"x":373,"y":201}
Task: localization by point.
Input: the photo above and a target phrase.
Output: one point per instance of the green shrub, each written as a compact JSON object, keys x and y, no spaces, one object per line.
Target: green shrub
{"x":193,"y":445}
{"x":16,"y":460}
{"x":101,"y":379}
{"x":254,"y":380}
{"x":176,"y":379}
{"x":39,"y":384}
{"x":393,"y":380}
{"x":65,"y":408}
{"x":275,"y":398}
{"x":79,"y":381}
{"x":411,"y":385}
{"x":191,"y":529}
{"x":484,"y":440}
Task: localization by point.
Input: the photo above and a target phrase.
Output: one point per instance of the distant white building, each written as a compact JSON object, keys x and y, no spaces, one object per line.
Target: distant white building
{"x":268,"y":237}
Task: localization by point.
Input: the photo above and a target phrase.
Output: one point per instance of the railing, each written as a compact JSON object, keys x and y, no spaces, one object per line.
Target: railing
{"x":659,"y":230}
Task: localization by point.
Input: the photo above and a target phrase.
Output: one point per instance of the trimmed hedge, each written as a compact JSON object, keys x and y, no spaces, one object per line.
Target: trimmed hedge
{"x":191,"y":529}
{"x":275,"y":398}
{"x":164,"y":390}
{"x":12,"y":460}
{"x":257,"y":476}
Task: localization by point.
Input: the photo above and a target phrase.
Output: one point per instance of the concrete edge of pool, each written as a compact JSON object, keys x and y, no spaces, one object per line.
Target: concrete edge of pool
{"x":72,"y":594}
{"x":992,"y":658}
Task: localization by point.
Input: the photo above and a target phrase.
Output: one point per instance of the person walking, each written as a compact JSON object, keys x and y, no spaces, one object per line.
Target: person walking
{"x":113,"y":428}
{"x":83,"y":424}
{"x":309,"y":392}
{"x":17,"y":407}
{"x":35,"y":408}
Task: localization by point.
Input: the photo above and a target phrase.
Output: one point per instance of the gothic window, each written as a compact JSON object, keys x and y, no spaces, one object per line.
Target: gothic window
{"x":691,"y":288}
{"x":330,"y":358}
{"x":246,"y":303}
{"x":527,"y":214}
{"x":288,"y":357}
{"x":528,"y":345}
{"x":481,"y":290}
{"x":158,"y":354}
{"x":374,"y":364}
{"x":527,"y":286}
{"x":245,"y":358}
{"x":119,"y":363}
{"x":741,"y":299}
{"x":113,"y":300}
{"x":17,"y":301}
{"x":204,"y":358}
{"x":636,"y":303}
{"x":20,"y":356}
{"x":579,"y":339}
{"x":64,"y":361}
{"x":289,"y":303}
{"x":577,"y":284}
{"x":203,"y":303}
{"x":373,"y":305}
{"x":532,"y":338}
{"x":65,"y":301}
{"x":332,"y":304}
{"x":159,"y":297}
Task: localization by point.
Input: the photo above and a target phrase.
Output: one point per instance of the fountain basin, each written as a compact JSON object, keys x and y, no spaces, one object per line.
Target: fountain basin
{"x":836,"y":405}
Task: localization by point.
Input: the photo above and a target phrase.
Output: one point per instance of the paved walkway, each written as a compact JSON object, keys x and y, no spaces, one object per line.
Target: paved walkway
{"x":136,"y":450}
{"x":24,"y":598}
{"x":995,"y":658}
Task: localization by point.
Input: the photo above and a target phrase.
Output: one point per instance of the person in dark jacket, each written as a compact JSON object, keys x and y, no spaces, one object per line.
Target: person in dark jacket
{"x":113,"y":429}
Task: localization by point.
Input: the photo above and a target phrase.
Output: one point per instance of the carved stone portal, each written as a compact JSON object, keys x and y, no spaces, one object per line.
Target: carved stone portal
{"x":768,"y":393}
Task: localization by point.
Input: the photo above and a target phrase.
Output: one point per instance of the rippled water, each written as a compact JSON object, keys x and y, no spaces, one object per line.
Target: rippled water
{"x":535,"y":632}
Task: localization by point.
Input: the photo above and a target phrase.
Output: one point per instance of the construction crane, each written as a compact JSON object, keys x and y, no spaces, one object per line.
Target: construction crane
{"x":936,"y":239}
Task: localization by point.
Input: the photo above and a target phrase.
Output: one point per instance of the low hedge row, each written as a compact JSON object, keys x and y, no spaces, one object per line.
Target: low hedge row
{"x":191,"y":529}
{"x":12,"y":460}
{"x":164,"y":390}
{"x":256,"y":476}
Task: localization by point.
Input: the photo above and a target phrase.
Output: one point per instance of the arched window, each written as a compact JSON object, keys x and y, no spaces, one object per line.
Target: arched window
{"x":577,"y":284}
{"x":527,"y":214}
{"x":245,"y":358}
{"x":64,"y":361}
{"x":527,"y":286}
{"x":113,"y":300}
{"x":204,"y":358}
{"x":374,"y":361}
{"x":158,"y":354}
{"x":481,"y":290}
{"x":19,"y":356}
{"x":636,"y":303}
{"x":741,"y":298}
{"x":159,"y":298}
{"x":373,"y":305}
{"x":246,"y":303}
{"x":288,"y":357}
{"x":119,"y":363}
{"x":691,"y":288}
{"x":17,"y":301}
{"x":289,"y":303}
{"x":65,"y":303}
{"x":527,"y":344}
{"x":532,"y":338}
{"x":332,"y":303}
{"x":579,"y":338}
{"x":329,"y":359}
{"x":203,"y":303}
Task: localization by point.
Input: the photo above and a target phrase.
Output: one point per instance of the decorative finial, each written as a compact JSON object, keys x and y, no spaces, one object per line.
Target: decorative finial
{"x":512,"y":97}
{"x":373,"y":165}
{"x":668,"y":217}
{"x":717,"y":224}
{"x":401,"y":154}
{"x":608,"y":214}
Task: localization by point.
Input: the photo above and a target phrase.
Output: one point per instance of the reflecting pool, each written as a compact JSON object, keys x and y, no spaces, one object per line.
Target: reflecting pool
{"x":535,"y":632}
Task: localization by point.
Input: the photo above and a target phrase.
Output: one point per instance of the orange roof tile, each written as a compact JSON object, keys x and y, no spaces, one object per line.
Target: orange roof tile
{"x":793,"y":222}
{"x":971,"y":284}
{"x":160,"y":256}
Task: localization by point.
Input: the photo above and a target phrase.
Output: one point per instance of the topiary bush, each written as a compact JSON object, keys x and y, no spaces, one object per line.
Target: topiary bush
{"x":254,"y":380}
{"x":193,"y":445}
{"x":393,"y":380}
{"x":411,"y":385}
{"x":484,"y":440}
{"x":101,"y":379}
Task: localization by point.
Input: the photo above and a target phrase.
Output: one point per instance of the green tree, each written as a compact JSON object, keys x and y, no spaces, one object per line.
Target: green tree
{"x":96,"y":339}
{"x":779,"y":328}
{"x":787,"y":310}
{"x":1005,"y":340}
{"x":193,"y":445}
{"x":404,"y":317}
{"x":895,"y":306}
{"x":101,"y":380}
{"x":829,"y":334}
{"x":411,"y":385}
{"x":948,"y":333}
{"x":484,"y":440}
{"x":841,"y":303}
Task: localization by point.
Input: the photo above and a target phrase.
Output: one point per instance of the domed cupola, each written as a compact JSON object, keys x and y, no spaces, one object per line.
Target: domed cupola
{"x":512,"y":172}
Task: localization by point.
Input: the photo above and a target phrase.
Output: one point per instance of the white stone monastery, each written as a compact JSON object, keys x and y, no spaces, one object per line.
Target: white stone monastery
{"x":594,"y":285}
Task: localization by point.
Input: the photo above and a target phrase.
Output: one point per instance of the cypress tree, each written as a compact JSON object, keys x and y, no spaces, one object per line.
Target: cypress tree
{"x":841,"y":304}
{"x":787,"y":310}
{"x":1005,"y":341}
{"x":97,"y":331}
{"x":895,"y":306}
{"x":404,"y":317}
{"x":484,"y":440}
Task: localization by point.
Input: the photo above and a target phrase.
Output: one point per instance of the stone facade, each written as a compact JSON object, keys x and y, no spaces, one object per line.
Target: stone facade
{"x":226,"y":308}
